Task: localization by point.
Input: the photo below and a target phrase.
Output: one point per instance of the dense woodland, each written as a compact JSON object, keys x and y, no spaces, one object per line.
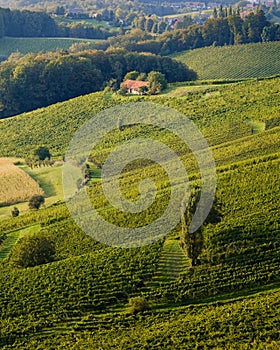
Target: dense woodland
{"x":226,"y":27}
{"x":17,"y":23}
{"x":39,"y":80}
{"x":220,"y":31}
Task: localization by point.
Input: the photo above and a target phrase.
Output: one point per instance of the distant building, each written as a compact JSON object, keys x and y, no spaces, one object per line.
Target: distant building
{"x":249,"y":6}
{"x":135,"y":87}
{"x":211,"y":5}
{"x":195,"y":5}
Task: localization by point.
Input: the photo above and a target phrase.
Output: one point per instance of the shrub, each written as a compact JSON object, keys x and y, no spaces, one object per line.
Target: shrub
{"x":15,"y":212}
{"x":36,"y":201}
{"x":32,"y":251}
{"x":139,"y":304}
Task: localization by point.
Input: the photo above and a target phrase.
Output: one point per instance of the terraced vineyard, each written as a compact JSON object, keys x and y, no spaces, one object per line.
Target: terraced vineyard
{"x":81,"y":300}
{"x":234,"y":62}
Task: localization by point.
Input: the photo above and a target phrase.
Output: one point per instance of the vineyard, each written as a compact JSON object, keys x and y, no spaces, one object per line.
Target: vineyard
{"x":221,"y":117}
{"x":24,"y":46}
{"x":81,"y":299}
{"x":234,"y":62}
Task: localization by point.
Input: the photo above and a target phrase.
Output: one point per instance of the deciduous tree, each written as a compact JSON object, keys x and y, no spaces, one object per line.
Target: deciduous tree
{"x":33,"y":250}
{"x":36,"y":201}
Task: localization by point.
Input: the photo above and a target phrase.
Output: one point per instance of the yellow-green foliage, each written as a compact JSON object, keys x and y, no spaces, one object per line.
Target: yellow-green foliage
{"x":16,"y":185}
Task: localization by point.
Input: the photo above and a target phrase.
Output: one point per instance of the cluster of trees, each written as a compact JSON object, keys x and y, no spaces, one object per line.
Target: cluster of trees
{"x":39,"y":80}
{"x":227,"y":29}
{"x":152,"y":24}
{"x":156,"y":80}
{"x":35,"y":202}
{"x":81,"y":30}
{"x":41,"y":156}
{"x":25,"y":23}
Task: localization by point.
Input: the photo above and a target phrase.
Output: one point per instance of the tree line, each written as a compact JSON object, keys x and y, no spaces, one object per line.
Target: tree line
{"x":38,"y":80}
{"x":15,"y":23}
{"x":228,"y":28}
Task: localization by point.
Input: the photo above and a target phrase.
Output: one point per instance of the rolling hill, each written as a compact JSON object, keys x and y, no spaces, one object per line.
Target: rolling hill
{"x":80,"y":301}
{"x":234,"y":62}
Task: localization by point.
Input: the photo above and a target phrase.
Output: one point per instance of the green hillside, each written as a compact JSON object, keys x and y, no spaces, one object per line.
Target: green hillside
{"x":81,"y":300}
{"x":234,"y":62}
{"x":223,"y":113}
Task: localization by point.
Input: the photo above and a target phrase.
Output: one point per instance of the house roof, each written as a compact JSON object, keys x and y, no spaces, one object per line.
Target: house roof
{"x":134,"y":84}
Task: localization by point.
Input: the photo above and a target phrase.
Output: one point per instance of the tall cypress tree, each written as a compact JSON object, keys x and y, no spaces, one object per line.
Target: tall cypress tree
{"x":192,"y":242}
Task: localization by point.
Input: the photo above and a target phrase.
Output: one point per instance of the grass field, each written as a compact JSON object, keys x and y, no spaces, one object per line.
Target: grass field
{"x":16,"y":185}
{"x":35,"y":45}
{"x":90,"y":21}
{"x":234,"y":62}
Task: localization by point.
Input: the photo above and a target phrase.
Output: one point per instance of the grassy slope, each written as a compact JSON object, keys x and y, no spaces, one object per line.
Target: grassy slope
{"x":13,"y":237}
{"x":223,"y":113}
{"x":234,"y":62}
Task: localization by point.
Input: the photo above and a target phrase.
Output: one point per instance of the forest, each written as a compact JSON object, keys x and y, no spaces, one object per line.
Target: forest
{"x":148,"y":34}
{"x":228,"y":29}
{"x":16,"y":23}
{"x":35,"y":81}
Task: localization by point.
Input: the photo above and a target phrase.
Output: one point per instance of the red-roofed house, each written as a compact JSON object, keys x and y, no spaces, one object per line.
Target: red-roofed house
{"x":135,"y":86}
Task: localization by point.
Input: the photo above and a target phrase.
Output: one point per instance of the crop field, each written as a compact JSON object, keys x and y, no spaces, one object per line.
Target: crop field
{"x":16,"y":185}
{"x":49,"y":180}
{"x":26,"y":45}
{"x":234,"y":62}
